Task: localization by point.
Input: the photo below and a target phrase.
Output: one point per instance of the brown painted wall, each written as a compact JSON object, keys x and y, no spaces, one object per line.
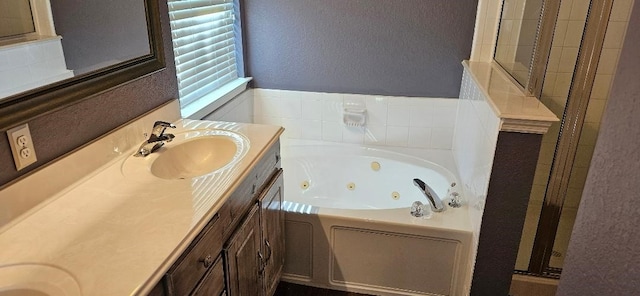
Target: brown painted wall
{"x":72,"y":127}
{"x":603,"y":256}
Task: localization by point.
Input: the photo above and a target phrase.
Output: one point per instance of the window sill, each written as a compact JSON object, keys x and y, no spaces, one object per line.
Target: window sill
{"x":202,"y":107}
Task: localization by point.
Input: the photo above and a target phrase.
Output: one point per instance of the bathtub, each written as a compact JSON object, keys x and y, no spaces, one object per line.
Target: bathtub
{"x":348,"y":224}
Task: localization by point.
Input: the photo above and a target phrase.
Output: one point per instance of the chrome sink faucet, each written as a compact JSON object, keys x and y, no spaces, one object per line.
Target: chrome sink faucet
{"x":156,"y":139}
{"x":434,"y":199}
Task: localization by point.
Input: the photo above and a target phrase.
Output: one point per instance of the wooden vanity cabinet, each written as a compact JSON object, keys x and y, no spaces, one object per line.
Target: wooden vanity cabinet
{"x":244,"y":259}
{"x":272,"y":225}
{"x":255,"y":254}
{"x":241,"y":250}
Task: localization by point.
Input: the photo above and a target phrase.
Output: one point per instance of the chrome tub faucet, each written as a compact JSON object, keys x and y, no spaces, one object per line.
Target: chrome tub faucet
{"x":434,"y":199}
{"x":156,"y":139}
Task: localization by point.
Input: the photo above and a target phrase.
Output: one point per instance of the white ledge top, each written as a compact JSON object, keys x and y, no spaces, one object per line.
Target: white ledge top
{"x":517,"y":111}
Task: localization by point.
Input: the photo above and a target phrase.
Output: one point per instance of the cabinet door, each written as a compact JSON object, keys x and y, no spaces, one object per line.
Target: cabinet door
{"x":272,"y":222}
{"x":243,"y":258}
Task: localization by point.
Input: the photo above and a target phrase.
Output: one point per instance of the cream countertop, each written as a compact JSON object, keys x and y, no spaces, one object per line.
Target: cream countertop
{"x":517,"y":111}
{"x":118,"y":235}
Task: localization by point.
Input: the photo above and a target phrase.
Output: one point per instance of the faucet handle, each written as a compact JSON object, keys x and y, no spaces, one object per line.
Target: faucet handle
{"x":159,"y":127}
{"x":163,"y":124}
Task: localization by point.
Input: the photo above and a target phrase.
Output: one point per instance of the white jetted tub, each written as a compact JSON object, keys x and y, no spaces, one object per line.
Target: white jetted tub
{"x":348,"y":223}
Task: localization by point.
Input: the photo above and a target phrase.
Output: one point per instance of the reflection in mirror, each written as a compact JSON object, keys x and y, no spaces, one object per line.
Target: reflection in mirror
{"x":15,"y":18}
{"x":524,"y":41}
{"x":517,"y":37}
{"x":134,"y":22}
{"x":51,"y":41}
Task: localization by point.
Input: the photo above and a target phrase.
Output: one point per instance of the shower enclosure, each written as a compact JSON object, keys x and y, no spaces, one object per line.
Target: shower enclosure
{"x":585,"y":40}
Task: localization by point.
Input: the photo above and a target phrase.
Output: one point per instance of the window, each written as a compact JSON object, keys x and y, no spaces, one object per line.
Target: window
{"x":204,"y":34}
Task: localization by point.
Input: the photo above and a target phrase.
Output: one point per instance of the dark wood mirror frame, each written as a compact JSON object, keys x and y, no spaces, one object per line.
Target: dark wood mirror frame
{"x":23,"y":107}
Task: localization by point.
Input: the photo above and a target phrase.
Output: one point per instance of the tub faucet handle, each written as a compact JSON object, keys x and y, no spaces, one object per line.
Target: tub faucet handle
{"x":456,"y":200}
{"x":420,"y":210}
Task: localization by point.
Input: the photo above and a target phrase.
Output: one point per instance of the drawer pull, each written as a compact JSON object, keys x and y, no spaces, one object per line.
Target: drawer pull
{"x":253,"y":189}
{"x":207,"y":261}
{"x":277,"y":158}
{"x":266,"y":242}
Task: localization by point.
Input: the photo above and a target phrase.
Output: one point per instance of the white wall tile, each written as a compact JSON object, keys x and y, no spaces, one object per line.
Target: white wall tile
{"x":290,"y":107}
{"x":621,"y":10}
{"x":377,"y":108}
{"x":397,"y":136}
{"x":441,"y":138}
{"x":266,"y":104}
{"x":332,"y":131}
{"x":293,"y":128}
{"x":398,"y":114}
{"x":268,"y":120}
{"x":608,"y":61}
{"x":419,"y":137}
{"x":565,"y":10}
{"x":420,"y":116}
{"x":354,"y":135}
{"x":573,"y":36}
{"x":311,"y":108}
{"x":332,"y":108}
{"x":615,"y":34}
{"x":601,"y":86}
{"x":473,"y":143}
{"x":311,"y":130}
{"x":444,"y":117}
{"x":375,"y":134}
{"x":579,"y":10}
{"x":30,"y":65}
{"x":388,"y":123}
{"x":568,"y":59}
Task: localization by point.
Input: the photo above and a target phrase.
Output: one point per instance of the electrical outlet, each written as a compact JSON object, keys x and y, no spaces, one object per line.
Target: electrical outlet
{"x":21,"y":144}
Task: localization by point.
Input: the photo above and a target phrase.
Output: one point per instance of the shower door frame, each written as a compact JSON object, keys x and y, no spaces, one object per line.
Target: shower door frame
{"x":571,"y":127}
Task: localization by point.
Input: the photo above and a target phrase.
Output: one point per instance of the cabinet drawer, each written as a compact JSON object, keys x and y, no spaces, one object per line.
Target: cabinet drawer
{"x":213,"y":282}
{"x":247,"y":192}
{"x":196,"y":261}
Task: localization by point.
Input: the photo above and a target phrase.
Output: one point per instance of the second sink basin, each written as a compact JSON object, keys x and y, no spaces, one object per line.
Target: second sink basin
{"x":36,"y":280}
{"x":190,"y":154}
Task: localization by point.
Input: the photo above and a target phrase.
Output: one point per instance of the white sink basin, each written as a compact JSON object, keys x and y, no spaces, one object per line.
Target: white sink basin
{"x":190,"y":154}
{"x":36,"y":280}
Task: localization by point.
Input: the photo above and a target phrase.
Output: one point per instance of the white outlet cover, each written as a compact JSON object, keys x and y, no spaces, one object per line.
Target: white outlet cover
{"x":21,"y":132}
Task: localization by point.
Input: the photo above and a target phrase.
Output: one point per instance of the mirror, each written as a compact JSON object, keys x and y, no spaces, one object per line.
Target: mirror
{"x":524,"y":41}
{"x":103,"y":44}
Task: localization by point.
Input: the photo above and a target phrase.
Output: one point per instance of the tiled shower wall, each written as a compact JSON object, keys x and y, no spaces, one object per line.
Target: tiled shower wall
{"x":564,"y":53}
{"x":474,"y":145}
{"x":562,"y":59}
{"x":390,"y":121}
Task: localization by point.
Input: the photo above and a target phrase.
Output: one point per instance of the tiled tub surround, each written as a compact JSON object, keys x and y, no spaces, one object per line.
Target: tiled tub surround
{"x":489,"y":104}
{"x":118,"y":235}
{"x":31,"y":64}
{"x":474,"y":146}
{"x":238,"y":109}
{"x":496,"y":125}
{"x":390,"y":121}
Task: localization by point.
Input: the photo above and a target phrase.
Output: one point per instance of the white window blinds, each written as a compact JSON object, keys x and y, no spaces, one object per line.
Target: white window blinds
{"x":203,"y":45}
